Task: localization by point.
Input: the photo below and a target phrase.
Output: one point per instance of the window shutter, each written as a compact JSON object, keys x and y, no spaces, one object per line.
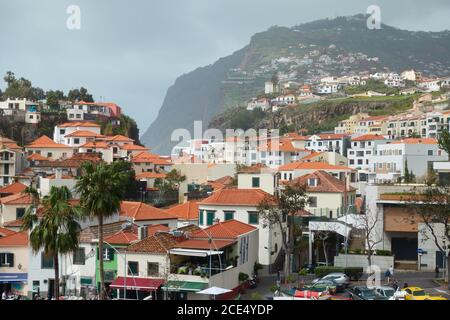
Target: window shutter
{"x":98,"y":254}
{"x":110,"y":254}
{"x":11,"y":259}
{"x":2,"y":258}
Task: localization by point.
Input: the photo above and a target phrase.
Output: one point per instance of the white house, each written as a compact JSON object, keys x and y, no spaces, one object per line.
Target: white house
{"x":64,"y":129}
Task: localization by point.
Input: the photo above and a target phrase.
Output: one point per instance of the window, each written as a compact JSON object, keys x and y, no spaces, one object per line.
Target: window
{"x":6,"y":260}
{"x":49,"y":155}
{"x":430,"y":152}
{"x":255,"y":182}
{"x":20,"y":212}
{"x":229,"y":215}
{"x":312,"y":182}
{"x":133,"y":268}
{"x":79,"y":257}
{"x":210,"y":215}
{"x":46,"y":261}
{"x":253,"y":218}
{"x":200,"y":217}
{"x":152,"y":269}
{"x":108,"y":254}
{"x":313,"y":202}
{"x":76,"y":141}
{"x":62,"y":131}
{"x":351,"y":161}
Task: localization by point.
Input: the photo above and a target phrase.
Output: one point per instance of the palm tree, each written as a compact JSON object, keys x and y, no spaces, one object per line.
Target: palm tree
{"x":101,"y":188}
{"x":56,"y":231}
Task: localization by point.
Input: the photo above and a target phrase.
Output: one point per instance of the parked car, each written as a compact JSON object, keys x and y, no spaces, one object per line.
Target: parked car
{"x":417,"y":293}
{"x":339,"y":278}
{"x":364,"y":293}
{"x":322,"y":286}
{"x":386,"y":292}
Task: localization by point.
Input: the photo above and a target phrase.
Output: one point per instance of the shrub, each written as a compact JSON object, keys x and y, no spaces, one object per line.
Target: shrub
{"x":303,"y":272}
{"x":291,"y":278}
{"x":243,"y":277}
{"x":354,"y":273}
{"x":273,"y":288}
{"x":256,"y":296}
{"x":384,"y":253}
{"x":323,"y":271}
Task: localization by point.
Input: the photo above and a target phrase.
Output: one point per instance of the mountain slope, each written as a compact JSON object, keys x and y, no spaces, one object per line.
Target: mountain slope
{"x":303,"y":53}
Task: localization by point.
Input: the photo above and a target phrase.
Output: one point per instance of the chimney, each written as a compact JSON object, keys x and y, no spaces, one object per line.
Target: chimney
{"x":142,"y":233}
{"x":58,"y":174}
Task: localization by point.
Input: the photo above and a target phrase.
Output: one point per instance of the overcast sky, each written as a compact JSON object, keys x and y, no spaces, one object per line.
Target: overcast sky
{"x":131,"y":51}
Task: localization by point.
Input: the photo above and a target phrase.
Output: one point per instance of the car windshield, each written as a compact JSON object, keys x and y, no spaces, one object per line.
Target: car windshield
{"x":419,"y":293}
{"x":367,"y":293}
{"x":389,"y":292}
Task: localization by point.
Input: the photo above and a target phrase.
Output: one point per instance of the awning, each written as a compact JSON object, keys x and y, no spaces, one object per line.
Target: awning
{"x":13,"y":277}
{"x":140,"y":284}
{"x":194,"y":253}
{"x":188,"y":286}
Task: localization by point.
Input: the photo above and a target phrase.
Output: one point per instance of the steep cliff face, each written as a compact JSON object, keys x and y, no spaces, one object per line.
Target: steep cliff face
{"x":330,"y":46}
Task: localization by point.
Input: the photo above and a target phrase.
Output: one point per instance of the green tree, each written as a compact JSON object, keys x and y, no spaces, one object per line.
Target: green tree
{"x":101,"y":188}
{"x":444,"y":142}
{"x":81,"y":94}
{"x":53,"y":98}
{"x":171,"y":182}
{"x":56,"y":230}
{"x":279,"y":211}
{"x":406,"y":177}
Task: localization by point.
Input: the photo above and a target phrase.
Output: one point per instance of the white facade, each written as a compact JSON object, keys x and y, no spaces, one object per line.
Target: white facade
{"x":60,"y":133}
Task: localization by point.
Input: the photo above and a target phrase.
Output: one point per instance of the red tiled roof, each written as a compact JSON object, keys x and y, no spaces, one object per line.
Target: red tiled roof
{"x":17,"y":239}
{"x":150,"y":175}
{"x":46,"y":142}
{"x":18,"y":198}
{"x":311,"y":166}
{"x":118,"y":138}
{"x":369,"y":137}
{"x":79,"y":124}
{"x":240,"y":197}
{"x":230,"y":229}
{"x":311,"y":156}
{"x":416,"y":141}
{"x":6,"y":232}
{"x":282,"y":145}
{"x":151,"y":230}
{"x":157,"y":243}
{"x":37,"y":157}
{"x":85,"y":134}
{"x":96,"y":145}
{"x":122,"y":237}
{"x":142,"y":211}
{"x":14,"y":188}
{"x":13,"y":224}
{"x":185,"y":211}
{"x":133,"y":147}
{"x":326,"y":183}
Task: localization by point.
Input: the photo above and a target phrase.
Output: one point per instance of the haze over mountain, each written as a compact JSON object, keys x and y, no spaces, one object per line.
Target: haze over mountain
{"x":207,"y":91}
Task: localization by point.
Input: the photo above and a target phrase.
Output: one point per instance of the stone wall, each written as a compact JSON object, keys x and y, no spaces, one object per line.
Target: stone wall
{"x":356,"y":260}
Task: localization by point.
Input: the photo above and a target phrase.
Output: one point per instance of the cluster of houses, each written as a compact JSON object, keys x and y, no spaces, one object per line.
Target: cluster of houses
{"x":218,"y":237}
{"x":25,"y":111}
{"x":290,"y":92}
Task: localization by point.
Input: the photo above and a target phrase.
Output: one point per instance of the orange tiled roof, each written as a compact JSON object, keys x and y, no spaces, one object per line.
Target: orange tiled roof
{"x":311,"y":156}
{"x":18,"y":198}
{"x":6,"y":232}
{"x":369,"y":137}
{"x":79,"y":124}
{"x":185,"y":211}
{"x":311,"y":166}
{"x":416,"y":141}
{"x":13,"y":224}
{"x":118,"y":138}
{"x":326,"y":183}
{"x":96,"y":145}
{"x":17,"y":239}
{"x":150,"y":175}
{"x":239,"y":197}
{"x":16,"y":187}
{"x":151,"y":230}
{"x":157,"y":243}
{"x":142,"y":211}
{"x":37,"y":157}
{"x":133,"y":147}
{"x":230,"y":229}
{"x":85,"y":134}
{"x":122,"y":237}
{"x":46,"y":142}
{"x":282,"y":145}
{"x":145,"y":157}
